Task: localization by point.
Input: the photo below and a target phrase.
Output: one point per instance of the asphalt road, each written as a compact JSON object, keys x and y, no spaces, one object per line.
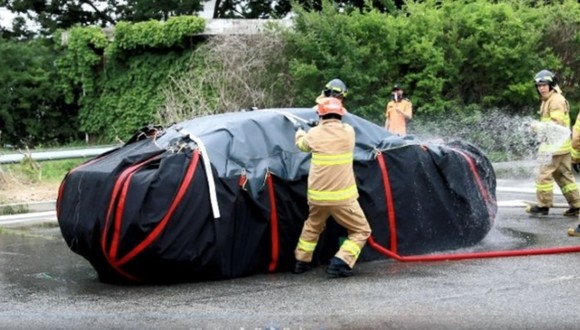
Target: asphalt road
{"x":43,"y":285}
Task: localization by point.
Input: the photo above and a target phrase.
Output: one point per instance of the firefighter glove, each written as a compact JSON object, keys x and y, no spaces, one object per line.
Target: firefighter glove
{"x":576,"y":168}
{"x":313,"y":123}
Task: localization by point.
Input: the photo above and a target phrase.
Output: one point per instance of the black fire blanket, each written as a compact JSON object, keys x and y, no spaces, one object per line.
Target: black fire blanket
{"x":224,"y":196}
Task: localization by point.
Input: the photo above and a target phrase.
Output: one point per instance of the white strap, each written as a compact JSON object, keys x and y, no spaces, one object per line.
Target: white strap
{"x":291,"y":117}
{"x":208,"y":173}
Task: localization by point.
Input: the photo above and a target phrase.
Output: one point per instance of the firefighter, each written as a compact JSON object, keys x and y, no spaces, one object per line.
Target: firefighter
{"x":397,"y":112}
{"x":334,"y":88}
{"x":332,"y":190}
{"x":575,"y":163}
{"x":554,"y":108}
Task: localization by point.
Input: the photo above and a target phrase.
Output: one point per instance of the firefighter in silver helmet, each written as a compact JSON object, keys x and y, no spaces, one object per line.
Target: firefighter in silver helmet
{"x":554,"y":109}
{"x":335,"y":88}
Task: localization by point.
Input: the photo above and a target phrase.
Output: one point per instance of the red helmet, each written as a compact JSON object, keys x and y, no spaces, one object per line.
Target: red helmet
{"x":330,"y":105}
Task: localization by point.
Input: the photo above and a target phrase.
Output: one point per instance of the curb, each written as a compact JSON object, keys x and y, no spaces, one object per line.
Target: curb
{"x":28,"y":207}
{"x":27,"y":219}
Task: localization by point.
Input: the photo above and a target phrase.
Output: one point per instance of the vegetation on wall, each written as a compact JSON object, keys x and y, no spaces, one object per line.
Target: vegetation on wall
{"x":229,"y":73}
{"x":118,"y":82}
{"x":452,"y":57}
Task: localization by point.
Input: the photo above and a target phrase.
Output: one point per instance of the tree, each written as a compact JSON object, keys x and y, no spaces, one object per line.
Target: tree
{"x":281,"y":8}
{"x":63,"y":14}
{"x":31,"y":108}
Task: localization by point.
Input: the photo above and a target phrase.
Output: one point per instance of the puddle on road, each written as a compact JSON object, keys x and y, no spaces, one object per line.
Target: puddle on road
{"x":507,"y":239}
{"x":36,"y":259}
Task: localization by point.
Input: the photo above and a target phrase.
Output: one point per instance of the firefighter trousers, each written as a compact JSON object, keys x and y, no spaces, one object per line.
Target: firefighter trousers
{"x":559,"y":170}
{"x":350,"y":216}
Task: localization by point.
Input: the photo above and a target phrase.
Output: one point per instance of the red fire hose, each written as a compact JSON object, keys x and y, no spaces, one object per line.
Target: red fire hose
{"x":392,"y":252}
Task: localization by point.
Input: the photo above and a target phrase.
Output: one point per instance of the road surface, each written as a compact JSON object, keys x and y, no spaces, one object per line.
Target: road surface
{"x":43,"y":285}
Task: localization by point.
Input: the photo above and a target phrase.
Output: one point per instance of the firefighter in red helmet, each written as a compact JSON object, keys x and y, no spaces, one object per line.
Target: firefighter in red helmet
{"x":332,"y":189}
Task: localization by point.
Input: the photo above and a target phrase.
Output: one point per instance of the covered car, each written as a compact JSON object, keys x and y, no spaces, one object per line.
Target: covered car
{"x":224,"y":196}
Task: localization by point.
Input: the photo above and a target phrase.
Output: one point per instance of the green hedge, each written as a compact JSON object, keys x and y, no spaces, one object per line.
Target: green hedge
{"x":452,"y":57}
{"x":448,"y":55}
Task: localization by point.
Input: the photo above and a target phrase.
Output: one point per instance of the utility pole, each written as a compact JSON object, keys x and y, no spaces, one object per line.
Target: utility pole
{"x":208,"y":9}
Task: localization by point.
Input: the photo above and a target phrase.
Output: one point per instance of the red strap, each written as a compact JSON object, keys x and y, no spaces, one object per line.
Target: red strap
{"x":116,"y":189}
{"x":121,"y":187}
{"x":243,"y":180}
{"x":163,"y":223}
{"x":273,"y":224}
{"x":389,"y":202}
{"x":482,"y":189}
{"x":113,"y":200}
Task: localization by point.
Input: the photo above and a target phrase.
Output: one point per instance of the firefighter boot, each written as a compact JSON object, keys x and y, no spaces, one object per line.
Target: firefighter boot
{"x":572,"y":212}
{"x":537,"y":210}
{"x":574,"y":231}
{"x":338,"y":268}
{"x":301,"y":267}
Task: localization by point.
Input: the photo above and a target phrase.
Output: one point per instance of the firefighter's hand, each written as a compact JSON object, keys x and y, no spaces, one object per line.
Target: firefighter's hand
{"x":576,"y":168}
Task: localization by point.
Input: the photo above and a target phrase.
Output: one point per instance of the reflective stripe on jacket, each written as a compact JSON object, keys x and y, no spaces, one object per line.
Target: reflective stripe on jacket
{"x":555,"y":108}
{"x":331,"y":178}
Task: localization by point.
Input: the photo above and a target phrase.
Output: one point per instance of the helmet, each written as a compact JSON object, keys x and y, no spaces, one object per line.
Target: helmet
{"x":545,"y":77}
{"x":335,"y":88}
{"x":396,"y":88}
{"x":330,"y":105}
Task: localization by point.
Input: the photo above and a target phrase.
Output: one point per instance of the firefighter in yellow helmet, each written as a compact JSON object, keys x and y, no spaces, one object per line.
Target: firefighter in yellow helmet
{"x":554,"y":109}
{"x":332,"y":190}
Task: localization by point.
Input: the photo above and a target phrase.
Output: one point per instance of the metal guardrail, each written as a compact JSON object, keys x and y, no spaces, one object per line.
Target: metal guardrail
{"x":55,"y":155}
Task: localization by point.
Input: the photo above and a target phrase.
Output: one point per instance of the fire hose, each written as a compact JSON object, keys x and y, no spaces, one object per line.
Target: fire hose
{"x":391,"y":253}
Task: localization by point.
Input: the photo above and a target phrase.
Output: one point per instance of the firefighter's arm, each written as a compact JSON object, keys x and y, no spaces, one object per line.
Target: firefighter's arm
{"x":405,"y":108}
{"x":559,"y":112}
{"x":559,"y":117}
{"x":300,"y":140}
{"x":575,"y":153}
{"x":408,"y":111}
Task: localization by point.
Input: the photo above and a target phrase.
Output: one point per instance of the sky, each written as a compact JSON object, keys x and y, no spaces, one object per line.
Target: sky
{"x":6,"y":17}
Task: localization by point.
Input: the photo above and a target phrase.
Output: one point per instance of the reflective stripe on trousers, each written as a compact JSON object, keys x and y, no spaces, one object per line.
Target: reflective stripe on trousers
{"x":349,"y":216}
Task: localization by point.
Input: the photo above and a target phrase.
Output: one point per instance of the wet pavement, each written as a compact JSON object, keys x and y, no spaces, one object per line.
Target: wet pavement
{"x":43,"y":285}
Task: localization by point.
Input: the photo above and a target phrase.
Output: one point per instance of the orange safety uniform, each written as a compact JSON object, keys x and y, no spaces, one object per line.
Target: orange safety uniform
{"x":395,"y":121}
{"x":555,"y":108}
{"x":332,"y":190}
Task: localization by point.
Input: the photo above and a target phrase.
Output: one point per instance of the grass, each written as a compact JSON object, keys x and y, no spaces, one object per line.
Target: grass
{"x":10,"y":210}
{"x":29,"y":171}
